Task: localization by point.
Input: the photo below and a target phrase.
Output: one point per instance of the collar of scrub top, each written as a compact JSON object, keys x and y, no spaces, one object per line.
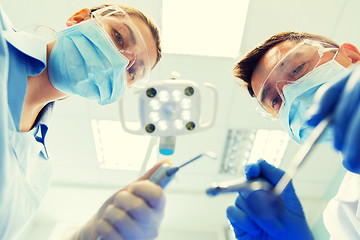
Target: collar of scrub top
{"x":41,"y":127}
{"x":34,"y":47}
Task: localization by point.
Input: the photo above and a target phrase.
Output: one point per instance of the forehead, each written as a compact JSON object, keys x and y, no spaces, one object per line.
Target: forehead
{"x":267,"y":63}
{"x":148,"y":39}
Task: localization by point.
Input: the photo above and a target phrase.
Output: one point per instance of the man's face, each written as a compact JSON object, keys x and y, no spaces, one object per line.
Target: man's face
{"x":285,"y":63}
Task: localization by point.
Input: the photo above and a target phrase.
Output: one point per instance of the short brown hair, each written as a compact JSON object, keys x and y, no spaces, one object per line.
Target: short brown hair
{"x":149,"y":22}
{"x":244,"y":69}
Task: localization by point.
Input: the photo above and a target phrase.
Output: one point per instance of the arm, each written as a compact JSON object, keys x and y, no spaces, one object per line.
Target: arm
{"x":342,"y":100}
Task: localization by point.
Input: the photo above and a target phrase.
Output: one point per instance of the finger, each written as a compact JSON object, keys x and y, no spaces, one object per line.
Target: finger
{"x":151,"y":171}
{"x":106,"y":231}
{"x":348,"y":102}
{"x":269,"y":172}
{"x":152,"y":194}
{"x":351,"y":153}
{"x":134,"y":206}
{"x":325,"y":100}
{"x":252,"y":171}
{"x":125,"y":226}
{"x":241,"y":222}
{"x":269,"y":223}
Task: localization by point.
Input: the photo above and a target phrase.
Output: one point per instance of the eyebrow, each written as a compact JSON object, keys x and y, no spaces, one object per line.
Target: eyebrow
{"x":132,"y":35}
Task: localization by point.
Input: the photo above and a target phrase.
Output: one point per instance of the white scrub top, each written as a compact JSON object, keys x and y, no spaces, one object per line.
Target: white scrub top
{"x":25,"y":169}
{"x":342,"y":214}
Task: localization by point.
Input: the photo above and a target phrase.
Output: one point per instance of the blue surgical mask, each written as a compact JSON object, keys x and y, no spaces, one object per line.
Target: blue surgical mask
{"x":84,"y":61}
{"x":299,"y":96}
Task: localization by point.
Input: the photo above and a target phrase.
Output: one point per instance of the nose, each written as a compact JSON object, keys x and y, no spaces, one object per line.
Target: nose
{"x":131,"y":56}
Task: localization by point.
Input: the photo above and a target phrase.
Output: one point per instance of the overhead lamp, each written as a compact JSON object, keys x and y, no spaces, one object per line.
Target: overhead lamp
{"x":170,"y":108}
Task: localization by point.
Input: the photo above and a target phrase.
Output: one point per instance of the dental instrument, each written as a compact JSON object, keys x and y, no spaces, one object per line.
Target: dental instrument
{"x":164,"y":174}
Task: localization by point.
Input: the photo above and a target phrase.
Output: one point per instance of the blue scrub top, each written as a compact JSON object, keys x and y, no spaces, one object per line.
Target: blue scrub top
{"x":25,"y":170}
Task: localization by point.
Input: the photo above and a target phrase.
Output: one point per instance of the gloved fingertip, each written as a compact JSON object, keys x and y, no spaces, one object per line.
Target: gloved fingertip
{"x":350,"y":161}
{"x":313,"y":116}
{"x":338,"y":140}
{"x":260,"y":161}
{"x":252,"y":171}
{"x":313,"y":120}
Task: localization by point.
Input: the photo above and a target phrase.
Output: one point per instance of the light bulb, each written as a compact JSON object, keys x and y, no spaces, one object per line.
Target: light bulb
{"x":178,"y":124}
{"x":186,"y":115}
{"x":154,"y":116}
{"x":185,"y":103}
{"x":154,"y":104}
{"x":162,"y":125}
{"x":164,"y":96}
{"x":176,"y":95}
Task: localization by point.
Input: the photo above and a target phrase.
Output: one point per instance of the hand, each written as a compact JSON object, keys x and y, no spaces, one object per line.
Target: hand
{"x":285,"y":219}
{"x":133,"y":213}
{"x":342,"y":99}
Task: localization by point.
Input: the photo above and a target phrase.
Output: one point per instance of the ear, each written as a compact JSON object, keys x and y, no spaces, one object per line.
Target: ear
{"x":83,"y":14}
{"x":350,"y":51}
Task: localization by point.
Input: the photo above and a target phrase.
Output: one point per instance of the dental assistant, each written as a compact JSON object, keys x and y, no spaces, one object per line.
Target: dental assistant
{"x":300,"y":78}
{"x":103,"y":51}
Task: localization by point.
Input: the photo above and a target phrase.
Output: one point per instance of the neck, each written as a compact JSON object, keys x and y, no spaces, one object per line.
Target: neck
{"x":39,"y":93}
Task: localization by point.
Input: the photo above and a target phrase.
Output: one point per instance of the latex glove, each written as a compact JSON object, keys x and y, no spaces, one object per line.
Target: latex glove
{"x":133,"y":213}
{"x":342,"y":99}
{"x":284,"y":220}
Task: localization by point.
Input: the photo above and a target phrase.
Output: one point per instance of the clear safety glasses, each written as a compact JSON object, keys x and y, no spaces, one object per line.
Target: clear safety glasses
{"x":128,"y":39}
{"x":294,"y":65}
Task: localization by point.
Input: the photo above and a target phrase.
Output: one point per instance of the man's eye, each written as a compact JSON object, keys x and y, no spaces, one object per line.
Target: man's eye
{"x":298,"y":71}
{"x":132,"y":73}
{"x":276,"y":100}
{"x":119,"y":39}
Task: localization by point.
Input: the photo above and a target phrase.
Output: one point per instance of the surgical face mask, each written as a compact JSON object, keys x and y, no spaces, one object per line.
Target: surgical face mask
{"x":84,"y":61}
{"x":99,"y":58}
{"x":299,"y":96}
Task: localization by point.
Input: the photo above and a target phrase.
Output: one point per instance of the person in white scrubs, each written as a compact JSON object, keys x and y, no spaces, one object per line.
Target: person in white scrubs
{"x":102,"y":52}
{"x":300,"y":79}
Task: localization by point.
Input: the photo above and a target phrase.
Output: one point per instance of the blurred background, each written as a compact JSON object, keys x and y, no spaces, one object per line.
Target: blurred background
{"x":202,"y":40}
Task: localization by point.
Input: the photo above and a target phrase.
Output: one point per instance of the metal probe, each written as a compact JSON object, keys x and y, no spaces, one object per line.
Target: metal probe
{"x":240,"y":185}
{"x":164,"y":174}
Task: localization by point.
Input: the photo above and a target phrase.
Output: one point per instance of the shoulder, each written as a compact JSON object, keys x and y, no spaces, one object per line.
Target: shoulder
{"x":27,"y":45}
{"x":5,"y":23}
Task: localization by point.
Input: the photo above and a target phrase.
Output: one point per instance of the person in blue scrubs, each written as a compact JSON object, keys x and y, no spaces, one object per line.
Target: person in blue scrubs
{"x":104,"y":51}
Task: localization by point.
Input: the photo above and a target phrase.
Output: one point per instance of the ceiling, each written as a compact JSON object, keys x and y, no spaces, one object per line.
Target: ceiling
{"x":79,"y":185}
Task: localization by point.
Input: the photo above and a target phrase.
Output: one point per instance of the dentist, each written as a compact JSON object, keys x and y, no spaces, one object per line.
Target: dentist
{"x":104,"y":51}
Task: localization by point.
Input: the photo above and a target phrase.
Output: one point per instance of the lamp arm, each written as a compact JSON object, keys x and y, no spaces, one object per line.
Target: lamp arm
{"x":211,"y":122}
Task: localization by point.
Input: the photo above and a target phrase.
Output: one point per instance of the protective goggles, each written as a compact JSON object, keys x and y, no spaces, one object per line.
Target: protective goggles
{"x":295,"y":64}
{"x":128,"y":39}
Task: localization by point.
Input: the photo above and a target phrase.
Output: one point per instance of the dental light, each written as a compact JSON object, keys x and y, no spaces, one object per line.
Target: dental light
{"x":170,"y":108}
